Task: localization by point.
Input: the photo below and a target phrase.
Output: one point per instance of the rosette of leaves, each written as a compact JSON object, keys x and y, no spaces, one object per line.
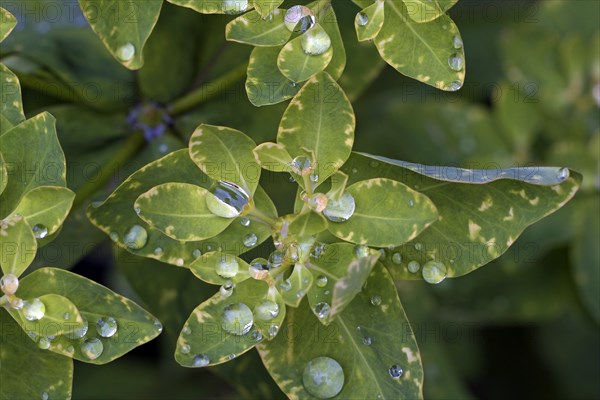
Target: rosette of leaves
{"x":322,"y":302}
{"x":50,"y":316}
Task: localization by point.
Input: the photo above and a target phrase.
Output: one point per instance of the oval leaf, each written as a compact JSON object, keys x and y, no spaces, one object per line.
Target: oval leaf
{"x":296,"y":64}
{"x":369,"y":21}
{"x":252,"y":28}
{"x":17,"y":244}
{"x":205,"y":268}
{"x":273,"y":157}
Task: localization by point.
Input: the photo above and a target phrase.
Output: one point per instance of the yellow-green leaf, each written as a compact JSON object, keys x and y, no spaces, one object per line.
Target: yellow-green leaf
{"x":17,"y":245}
{"x":252,"y":28}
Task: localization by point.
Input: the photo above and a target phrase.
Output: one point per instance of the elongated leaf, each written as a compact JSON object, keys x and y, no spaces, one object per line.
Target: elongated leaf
{"x":369,"y":21}
{"x":427,"y":10}
{"x":225,"y":154}
{"x":33,"y":158}
{"x":481,"y":213}
{"x":3,"y":174}
{"x":27,"y":372}
{"x":123,"y":26}
{"x":179,"y":211}
{"x":294,"y":288}
{"x":423,"y":51}
{"x":320,"y":119}
{"x":388,"y":213}
{"x":266,"y":84}
{"x":273,"y":157}
{"x":266,"y":7}
{"x":298,"y":65}
{"x":135,"y":326}
{"x":11,"y":107}
{"x":46,"y":206}
{"x":366,"y":367}
{"x":340,"y":275}
{"x":17,"y":244}
{"x":252,"y":28}
{"x":8,"y":23}
{"x":206,"y":267}
{"x":215,"y":6}
{"x":175,"y":167}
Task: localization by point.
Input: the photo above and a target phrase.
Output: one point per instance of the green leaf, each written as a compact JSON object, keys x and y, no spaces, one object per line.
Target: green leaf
{"x":252,"y":28}
{"x":365,"y":367}
{"x":46,"y":206}
{"x":422,"y":51}
{"x":368,"y":22}
{"x":135,"y":326}
{"x":206,"y":265}
{"x":27,"y":372}
{"x":35,"y":159}
{"x":11,"y":106}
{"x":204,"y":338}
{"x":307,"y":224}
{"x":329,"y":20}
{"x":320,"y":119}
{"x":214,"y":6}
{"x":225,"y":154}
{"x":295,"y":287}
{"x":266,"y":7}
{"x":482,"y":212}
{"x":18,"y":245}
{"x":345,"y":275}
{"x":3,"y":174}
{"x":53,"y":323}
{"x":179,"y":211}
{"x":298,"y":65}
{"x":123,"y":26}
{"x":427,"y":10}
{"x":273,"y":157}
{"x":388,"y":213}
{"x":266,"y":84}
{"x":8,"y":23}
{"x":117,"y":215}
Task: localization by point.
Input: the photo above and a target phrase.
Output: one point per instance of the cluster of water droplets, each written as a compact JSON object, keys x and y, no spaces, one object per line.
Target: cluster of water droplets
{"x":456,"y":61}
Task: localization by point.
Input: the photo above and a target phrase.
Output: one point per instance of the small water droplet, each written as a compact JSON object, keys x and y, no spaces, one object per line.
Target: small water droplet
{"x":301,"y":165}
{"x":185,"y":348}
{"x":276,"y":259}
{"x":250,"y":240}
{"x":367,"y":340}
{"x":315,"y":41}
{"x":453,"y":87}
{"x":227,"y":266}
{"x":196,"y":253}
{"x":70,"y":349}
{"x":362,"y":251}
{"x":457,"y":42}
{"x":136,"y":237}
{"x":322,"y":309}
{"x":256,"y":335}
{"x":137,"y":210}
{"x":158,"y":326}
{"x":92,"y":348}
{"x":228,"y":200}
{"x":40,"y":231}
{"x":78,"y":333}
{"x":9,"y":284}
{"x":179,"y":262}
{"x":201,"y":360}
{"x":66,"y":316}
{"x":564,"y":174}
{"x":235,"y":6}
{"x":314,"y":177}
{"x":106,"y":327}
{"x":376,"y":300}
{"x":317,"y":250}
{"x":340,"y":210}
{"x":231,"y":356}
{"x":44,"y":343}
{"x":45,"y":396}
{"x":418,"y":246}
{"x":237,"y":319}
{"x":244,"y":221}
{"x":267,"y":310}
{"x":456,"y":62}
{"x":434,"y":272}
{"x":285,"y":285}
{"x":321,"y":281}
{"x":397,"y":258}
{"x":362,"y":19}
{"x":34,"y":310}
{"x":411,"y":203}
{"x":354,"y":170}
{"x":396,"y":371}
{"x":323,"y":377}
{"x":126,"y":52}
{"x":413,"y":266}
{"x":186,"y":330}
{"x":273,"y":330}
{"x":158,"y":251}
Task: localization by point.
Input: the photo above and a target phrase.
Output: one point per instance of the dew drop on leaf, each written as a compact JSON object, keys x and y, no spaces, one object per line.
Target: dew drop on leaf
{"x":376,"y":300}
{"x":276,"y":259}
{"x":136,"y":237}
{"x":259,"y":268}
{"x":227,"y":266}
{"x":413,"y":266}
{"x":301,"y":165}
{"x":367,"y":340}
{"x":362,"y":19}
{"x":273,"y":330}
{"x":228,"y":200}
{"x":315,"y":42}
{"x":237,"y":319}
{"x":126,"y":52}
{"x":563,"y":174}
{"x":266,"y":310}
{"x":434,"y":272}
{"x":322,"y":309}
{"x":245,"y":221}
{"x":158,"y":326}
{"x":456,"y":62}
{"x":92,"y":348}
{"x":299,"y":19}
{"x":9,"y":284}
{"x":66,"y":316}
{"x":40,"y":231}
{"x":396,"y":371}
{"x":256,"y":335}
{"x":418,"y":246}
{"x":74,"y":334}
{"x":235,"y":6}
{"x":44,"y":343}
{"x":250,"y":240}
{"x":227,"y":289}
{"x":457,"y":42}
{"x":453,"y":87}
{"x":321,"y":281}
{"x":186,"y":330}
{"x":323,"y":377}
{"x":17,"y":303}
{"x":317,"y":250}
{"x":340,"y":210}
{"x":34,"y":310}
{"x":285,"y":285}
{"x":196,"y":253}
{"x":45,"y":396}
{"x":106,"y":327}
{"x":201,"y":360}
{"x":158,"y":251}
{"x":397,"y":258}
{"x":184,"y":348}
{"x":362,"y":251}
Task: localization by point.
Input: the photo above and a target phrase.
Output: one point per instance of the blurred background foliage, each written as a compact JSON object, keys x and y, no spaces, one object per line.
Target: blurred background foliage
{"x":525,"y":326}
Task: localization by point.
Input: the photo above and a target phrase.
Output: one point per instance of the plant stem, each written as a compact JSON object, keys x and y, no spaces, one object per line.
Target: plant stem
{"x":207,"y":91}
{"x":307,"y":184}
{"x":261,"y":217}
{"x":133,"y":144}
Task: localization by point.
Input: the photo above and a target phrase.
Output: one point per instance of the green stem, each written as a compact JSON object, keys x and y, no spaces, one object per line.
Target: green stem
{"x":257,"y":214}
{"x":133,"y":144}
{"x":307,"y":184}
{"x":207,"y":91}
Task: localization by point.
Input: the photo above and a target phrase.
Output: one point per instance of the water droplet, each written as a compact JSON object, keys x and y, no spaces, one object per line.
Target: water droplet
{"x":362,"y":251}
{"x":201,"y":360}
{"x":411,"y":203}
{"x":396,"y":371}
{"x":34,"y":310}
{"x":17,"y":303}
{"x":318,"y":202}
{"x":267,"y":310}
{"x":317,"y":250}
{"x":564,"y":174}
{"x":285,"y":285}
{"x":227,"y":289}
{"x":244,"y":221}
{"x":163,"y":148}
{"x":397,"y":258}
{"x":276,"y":259}
{"x":340,"y":210}
{"x":301,"y":165}
{"x":457,"y":42}
{"x":74,"y":334}
{"x":137,"y":210}
{"x":413,"y":266}
{"x":376,"y":300}
{"x":456,"y":62}
{"x":237,"y":319}
{"x":453,"y":87}
{"x":196,"y":253}
{"x":418,"y":246}
{"x":158,"y":251}
{"x":231,"y":356}
{"x":321,"y":281}
{"x":126,"y":52}
{"x":250,"y":240}
{"x":186,"y":330}
{"x":179,"y":262}
{"x":136,"y":237}
{"x":273,"y":330}
{"x":92,"y":348}
{"x":367,"y":340}
{"x":106,"y":327}
{"x":256,"y":335}
{"x":70,"y":349}
{"x":66,"y":316}
{"x":374,"y":164}
{"x":259,"y":268}
{"x":314,"y":177}
{"x":235,"y":6}
{"x":362,"y":19}
{"x":434,"y":272}
{"x":9,"y":284}
{"x":323,"y":377}
{"x":45,"y":396}
{"x":322,"y":309}
{"x":158,"y":326}
{"x":315,"y":41}
{"x":354,"y":170}
{"x":185,"y":348}
{"x":40,"y":231}
{"x":299,"y":19}
{"x":227,"y":266}
{"x":44,"y":343}
{"x":228,"y":200}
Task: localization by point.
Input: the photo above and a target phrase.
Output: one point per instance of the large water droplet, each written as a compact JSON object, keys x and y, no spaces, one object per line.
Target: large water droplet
{"x":228,"y":199}
{"x":259,"y":268}
{"x":34,"y":310}
{"x":413,"y":266}
{"x":362,"y":19}
{"x":126,"y":52}
{"x":299,"y":19}
{"x":434,"y":272}
{"x":340,"y":210}
{"x":267,"y":310}
{"x":40,"y":231}
{"x":92,"y":348}
{"x":227,"y":266}
{"x":136,"y":237}
{"x":235,"y":6}
{"x":9,"y":284}
{"x":106,"y":327}
{"x":276,"y":259}
{"x":237,"y":319}
{"x":323,"y":377}
{"x":301,"y":165}
{"x":322,"y":309}
{"x":396,"y":371}
{"x":201,"y":360}
{"x":250,"y":240}
{"x":564,"y":174}
{"x":44,"y":343}
{"x":376,"y":300}
{"x":321,"y":281}
{"x":75,"y":334}
{"x":315,"y":41}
